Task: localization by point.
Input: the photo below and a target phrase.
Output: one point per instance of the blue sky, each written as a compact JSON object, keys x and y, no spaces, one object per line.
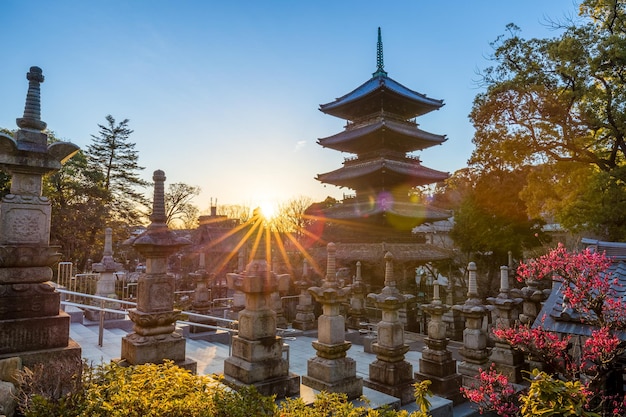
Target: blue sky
{"x":225,"y":94}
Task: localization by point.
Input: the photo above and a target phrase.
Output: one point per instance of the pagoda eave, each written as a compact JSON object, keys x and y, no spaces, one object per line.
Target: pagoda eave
{"x":403,"y":137}
{"x":373,"y":210}
{"x":381,"y":92}
{"x":376,"y":173}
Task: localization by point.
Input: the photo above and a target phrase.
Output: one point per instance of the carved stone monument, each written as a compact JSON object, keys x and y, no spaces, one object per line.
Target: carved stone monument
{"x":357,"y":315}
{"x":257,"y":353}
{"x":474,"y":350}
{"x":106,"y":283}
{"x":32,"y":326}
{"x":508,"y":361}
{"x":436,"y":363}
{"x":331,"y":370}
{"x":154,"y":338}
{"x":390,"y":373}
{"x":305,"y":316}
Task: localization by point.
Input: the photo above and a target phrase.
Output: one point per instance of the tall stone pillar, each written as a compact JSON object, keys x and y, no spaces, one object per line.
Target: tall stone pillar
{"x":331,"y":370}
{"x":390,"y":373}
{"x":474,"y":350}
{"x":305,"y":317}
{"x":106,"y":283}
{"x":508,"y":361}
{"x":436,"y":363}
{"x":32,"y":326}
{"x":257,"y":353}
{"x":357,"y":313}
{"x":154,"y":338}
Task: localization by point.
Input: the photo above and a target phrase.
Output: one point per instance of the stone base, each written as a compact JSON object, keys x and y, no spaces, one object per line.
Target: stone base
{"x":403,"y":391}
{"x":392,"y":378}
{"x":304,"y":325}
{"x":438,"y":363}
{"x":29,"y":300}
{"x":469,"y":371}
{"x":72,"y":352}
{"x":61,"y":366}
{"x":282,"y":387}
{"x":508,"y":362}
{"x":444,"y":386}
{"x":137,"y":350}
{"x":334,"y":375}
{"x":255,"y":372}
{"x":35,"y":333}
{"x":352,"y":386}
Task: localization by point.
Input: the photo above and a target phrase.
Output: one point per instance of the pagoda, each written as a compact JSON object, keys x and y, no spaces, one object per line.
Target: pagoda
{"x":381,"y":134}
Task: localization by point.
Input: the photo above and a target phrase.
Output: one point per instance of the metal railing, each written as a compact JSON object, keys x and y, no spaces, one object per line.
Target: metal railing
{"x":100,"y":305}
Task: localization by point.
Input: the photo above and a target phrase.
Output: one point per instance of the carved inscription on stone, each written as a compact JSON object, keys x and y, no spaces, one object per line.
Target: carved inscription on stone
{"x":25,"y":226}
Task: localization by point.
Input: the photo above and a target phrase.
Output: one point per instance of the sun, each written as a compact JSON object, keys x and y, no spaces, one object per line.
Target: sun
{"x":268,"y":210}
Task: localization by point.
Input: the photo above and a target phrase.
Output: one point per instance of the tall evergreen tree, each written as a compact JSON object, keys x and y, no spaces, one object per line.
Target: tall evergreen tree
{"x":116,"y":159}
{"x":79,"y":210}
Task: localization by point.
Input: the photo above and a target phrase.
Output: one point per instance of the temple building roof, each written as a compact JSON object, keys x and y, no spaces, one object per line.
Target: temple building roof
{"x":558,"y":318}
{"x":377,"y":172}
{"x":381,"y":92}
{"x":374,"y":252}
{"x":562,"y":319}
{"x":382,"y":133}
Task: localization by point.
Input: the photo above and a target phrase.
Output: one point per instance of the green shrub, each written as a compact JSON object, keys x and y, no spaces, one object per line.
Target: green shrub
{"x":151,"y":390}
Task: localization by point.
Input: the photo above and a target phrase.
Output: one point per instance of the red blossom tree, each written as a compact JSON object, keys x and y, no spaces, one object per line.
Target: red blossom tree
{"x":589,"y":289}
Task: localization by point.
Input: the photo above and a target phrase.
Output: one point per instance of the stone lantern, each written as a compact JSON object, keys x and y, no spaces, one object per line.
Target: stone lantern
{"x":32,"y":326}
{"x":331,"y":370}
{"x":154,"y":338}
{"x":257,"y":352}
{"x":390,"y":373}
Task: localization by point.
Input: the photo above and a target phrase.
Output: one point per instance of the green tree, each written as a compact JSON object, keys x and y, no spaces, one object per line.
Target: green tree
{"x":114,"y":156}
{"x":79,"y":210}
{"x":491,"y":221}
{"x":558,"y":101}
{"x":179,"y":210}
{"x":5,"y":179}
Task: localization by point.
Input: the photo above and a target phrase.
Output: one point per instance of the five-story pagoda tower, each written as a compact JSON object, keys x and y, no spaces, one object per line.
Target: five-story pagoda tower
{"x":381,"y":134}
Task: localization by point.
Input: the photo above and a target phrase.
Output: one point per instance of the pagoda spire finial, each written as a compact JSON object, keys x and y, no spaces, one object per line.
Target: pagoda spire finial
{"x":32,"y":109}
{"x":380,"y":63}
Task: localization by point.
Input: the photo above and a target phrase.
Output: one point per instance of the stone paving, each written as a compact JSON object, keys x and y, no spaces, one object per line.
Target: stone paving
{"x":210,"y":356}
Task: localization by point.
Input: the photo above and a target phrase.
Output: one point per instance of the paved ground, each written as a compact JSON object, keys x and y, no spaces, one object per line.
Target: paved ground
{"x":210,"y":355}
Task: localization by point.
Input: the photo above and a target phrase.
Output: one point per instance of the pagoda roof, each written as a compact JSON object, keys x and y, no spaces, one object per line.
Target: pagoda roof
{"x":352,"y":208}
{"x":382,"y":93}
{"x":382,"y":172}
{"x":382,"y":133}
